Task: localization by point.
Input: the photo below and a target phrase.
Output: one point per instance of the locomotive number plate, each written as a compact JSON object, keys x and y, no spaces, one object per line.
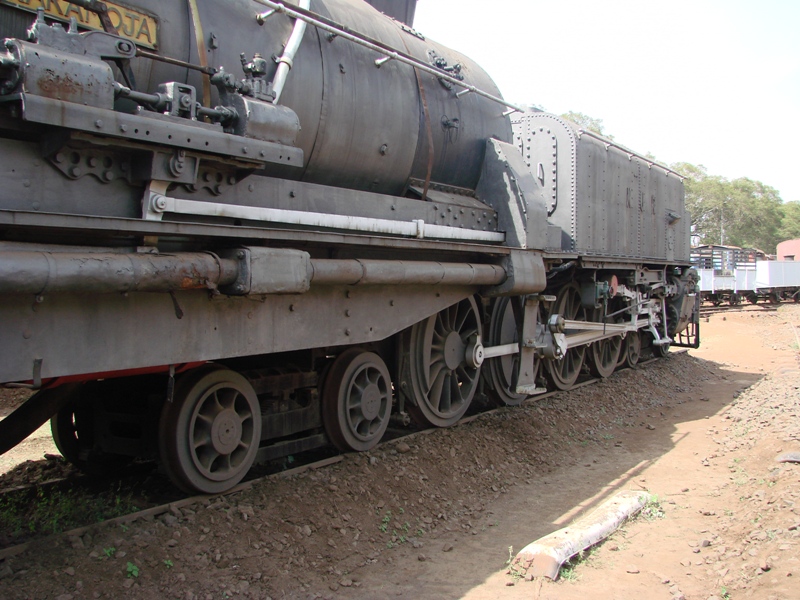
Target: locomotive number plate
{"x":131,"y":24}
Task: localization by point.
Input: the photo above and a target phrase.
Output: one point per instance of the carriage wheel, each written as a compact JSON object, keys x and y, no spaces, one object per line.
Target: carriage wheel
{"x":209,"y":434}
{"x":357,"y":400}
{"x":632,"y":349}
{"x":74,"y":434}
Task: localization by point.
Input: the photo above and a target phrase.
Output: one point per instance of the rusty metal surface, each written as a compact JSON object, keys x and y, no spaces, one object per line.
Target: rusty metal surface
{"x":53,"y":272}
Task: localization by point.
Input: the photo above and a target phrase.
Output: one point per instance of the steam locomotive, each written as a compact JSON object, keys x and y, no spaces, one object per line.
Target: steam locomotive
{"x":234,"y":231}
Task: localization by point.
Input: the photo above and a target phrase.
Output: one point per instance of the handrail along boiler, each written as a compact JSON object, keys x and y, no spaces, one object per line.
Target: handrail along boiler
{"x":233,"y":231}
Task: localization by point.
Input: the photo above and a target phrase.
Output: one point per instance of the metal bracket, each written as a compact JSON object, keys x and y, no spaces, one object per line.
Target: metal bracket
{"x":526,"y":378}
{"x":154,"y":202}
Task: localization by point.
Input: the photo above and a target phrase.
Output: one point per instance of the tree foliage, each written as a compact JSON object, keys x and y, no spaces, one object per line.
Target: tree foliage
{"x":741,"y":212}
{"x":587,"y":122}
{"x":790,"y":225}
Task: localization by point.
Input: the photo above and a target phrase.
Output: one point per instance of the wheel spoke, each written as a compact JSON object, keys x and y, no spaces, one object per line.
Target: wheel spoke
{"x":207,"y":457}
{"x":441,"y":385}
{"x":437,"y":369}
{"x":436,"y":391}
{"x":462,"y":314}
{"x":202,"y":437}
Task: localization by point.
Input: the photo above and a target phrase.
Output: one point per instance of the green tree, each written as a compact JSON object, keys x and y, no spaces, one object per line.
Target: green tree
{"x":790,"y":225}
{"x":741,"y":212}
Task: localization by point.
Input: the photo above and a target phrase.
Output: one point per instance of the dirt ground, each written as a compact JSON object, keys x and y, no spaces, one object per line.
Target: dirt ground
{"x":437,"y":515}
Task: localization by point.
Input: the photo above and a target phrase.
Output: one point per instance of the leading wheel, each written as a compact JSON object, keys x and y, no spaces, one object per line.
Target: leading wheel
{"x":503,"y":369}
{"x":357,"y":400}
{"x":604,"y":354}
{"x":442,"y":382}
{"x":210,"y":432}
{"x":73,"y":432}
{"x":564,"y":373}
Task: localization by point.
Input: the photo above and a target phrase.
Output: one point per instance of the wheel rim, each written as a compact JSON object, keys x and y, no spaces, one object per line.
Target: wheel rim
{"x":502,"y":369}
{"x":443,"y":383}
{"x":210,"y":432}
{"x":357,"y":400}
{"x":564,"y":373}
{"x":604,"y":354}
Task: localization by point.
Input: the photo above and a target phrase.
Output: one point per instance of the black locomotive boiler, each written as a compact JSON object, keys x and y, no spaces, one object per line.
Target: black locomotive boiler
{"x":233,"y":231}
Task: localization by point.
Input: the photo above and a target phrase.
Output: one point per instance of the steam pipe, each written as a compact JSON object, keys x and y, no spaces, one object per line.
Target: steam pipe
{"x":31,"y":272}
{"x":287,"y":58}
{"x":45,"y":272}
{"x":396,"y":272}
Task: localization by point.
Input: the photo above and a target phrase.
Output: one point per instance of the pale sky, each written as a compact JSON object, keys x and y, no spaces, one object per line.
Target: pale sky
{"x":711,"y":82}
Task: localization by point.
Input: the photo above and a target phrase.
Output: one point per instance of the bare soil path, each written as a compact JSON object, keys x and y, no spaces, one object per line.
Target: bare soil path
{"x":434,"y":516}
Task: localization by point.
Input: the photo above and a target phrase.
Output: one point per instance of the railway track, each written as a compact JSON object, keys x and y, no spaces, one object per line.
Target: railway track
{"x":156,"y":496}
{"x":708,"y":310}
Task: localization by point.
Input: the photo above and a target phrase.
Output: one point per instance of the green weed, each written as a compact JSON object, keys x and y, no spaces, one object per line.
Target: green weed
{"x":387,"y":518}
{"x":653,"y":509}
{"x":513,"y":570}
{"x":28,"y":513}
{"x":132,"y":570}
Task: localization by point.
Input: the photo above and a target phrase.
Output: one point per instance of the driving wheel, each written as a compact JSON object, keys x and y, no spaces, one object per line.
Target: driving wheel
{"x":443,"y":382}
{"x":502,"y":370}
{"x":604,"y":354}
{"x":564,"y":373}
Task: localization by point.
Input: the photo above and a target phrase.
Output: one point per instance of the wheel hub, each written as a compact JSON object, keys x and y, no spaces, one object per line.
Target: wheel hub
{"x":454,"y":350}
{"x":226,"y":431}
{"x":371,"y":402}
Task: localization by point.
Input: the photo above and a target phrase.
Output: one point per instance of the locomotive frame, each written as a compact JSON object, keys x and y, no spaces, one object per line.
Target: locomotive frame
{"x":207,"y":283}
